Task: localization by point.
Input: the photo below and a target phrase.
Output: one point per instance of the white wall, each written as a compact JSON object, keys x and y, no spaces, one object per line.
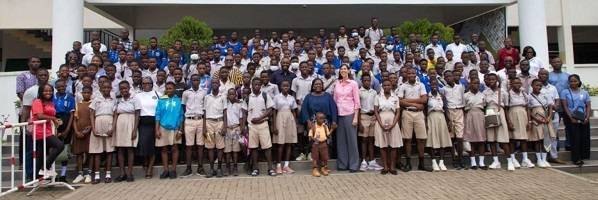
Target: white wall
{"x":583,"y":13}
{"x":8,"y":82}
{"x":37,"y":14}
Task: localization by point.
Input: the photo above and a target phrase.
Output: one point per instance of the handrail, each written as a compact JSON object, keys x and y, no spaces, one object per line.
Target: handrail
{"x":106,"y":36}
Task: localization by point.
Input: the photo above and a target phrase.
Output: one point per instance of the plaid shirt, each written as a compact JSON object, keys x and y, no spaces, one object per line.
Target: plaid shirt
{"x":25,"y":80}
{"x":128,"y":44}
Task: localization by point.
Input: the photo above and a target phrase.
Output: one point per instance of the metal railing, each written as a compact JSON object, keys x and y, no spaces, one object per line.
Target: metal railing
{"x":106,"y":36}
{"x":43,"y":181}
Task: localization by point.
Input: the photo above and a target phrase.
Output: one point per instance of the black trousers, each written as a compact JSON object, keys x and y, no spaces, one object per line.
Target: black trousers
{"x":579,"y":139}
{"x":53,"y":148}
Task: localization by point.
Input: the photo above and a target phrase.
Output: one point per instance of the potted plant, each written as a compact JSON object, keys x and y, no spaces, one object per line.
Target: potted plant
{"x":593,"y":92}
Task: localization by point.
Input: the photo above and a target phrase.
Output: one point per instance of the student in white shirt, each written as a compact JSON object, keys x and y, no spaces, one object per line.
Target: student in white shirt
{"x":457,"y":48}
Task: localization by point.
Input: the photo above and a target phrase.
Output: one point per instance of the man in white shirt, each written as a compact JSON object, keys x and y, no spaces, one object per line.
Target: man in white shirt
{"x":438,"y":50}
{"x":87,"y":48}
{"x":457,"y":48}
{"x":96,"y":49}
{"x":342,"y":38}
{"x":374,"y":32}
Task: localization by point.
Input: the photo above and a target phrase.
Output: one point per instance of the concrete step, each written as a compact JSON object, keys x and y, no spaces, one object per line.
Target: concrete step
{"x":590,"y":166}
{"x":593,"y":139}
{"x":593,"y":131}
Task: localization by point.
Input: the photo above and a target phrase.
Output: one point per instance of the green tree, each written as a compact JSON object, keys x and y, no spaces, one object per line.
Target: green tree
{"x":425,"y":28}
{"x":187,"y":30}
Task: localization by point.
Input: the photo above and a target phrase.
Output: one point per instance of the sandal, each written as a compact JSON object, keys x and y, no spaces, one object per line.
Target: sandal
{"x":255,"y":172}
{"x":271,"y":172}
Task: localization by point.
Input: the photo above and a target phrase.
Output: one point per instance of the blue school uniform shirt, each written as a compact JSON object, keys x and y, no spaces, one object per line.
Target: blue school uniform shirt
{"x":222,"y":48}
{"x":356,"y":65}
{"x":235,"y":45}
{"x":400,"y":47}
{"x":158,"y":54}
{"x":169,"y":112}
{"x":425,"y":79}
{"x":63,"y":103}
{"x":113,"y":55}
{"x":137,"y":55}
{"x":576,"y":100}
{"x":559,"y":80}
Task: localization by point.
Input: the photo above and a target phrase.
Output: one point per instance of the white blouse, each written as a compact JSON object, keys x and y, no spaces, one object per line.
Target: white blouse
{"x":147,"y":103}
{"x":387,"y":104}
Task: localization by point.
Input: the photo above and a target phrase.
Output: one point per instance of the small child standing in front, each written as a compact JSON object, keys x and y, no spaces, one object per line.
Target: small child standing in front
{"x":102,"y":109}
{"x":319,"y":134}
{"x":82,"y":130}
{"x":236,"y":123}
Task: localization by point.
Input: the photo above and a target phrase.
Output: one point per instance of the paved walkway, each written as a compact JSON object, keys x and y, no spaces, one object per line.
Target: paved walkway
{"x":521,"y":184}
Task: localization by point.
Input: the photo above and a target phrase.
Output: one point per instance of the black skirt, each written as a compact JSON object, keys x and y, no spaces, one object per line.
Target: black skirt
{"x":147,"y":134}
{"x":580,"y":139}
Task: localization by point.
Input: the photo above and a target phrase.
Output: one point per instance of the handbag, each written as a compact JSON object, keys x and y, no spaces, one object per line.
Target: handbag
{"x":492,"y":119}
{"x":576,"y":114}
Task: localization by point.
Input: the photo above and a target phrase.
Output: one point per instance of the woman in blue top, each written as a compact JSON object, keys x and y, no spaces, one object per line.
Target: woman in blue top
{"x":576,"y":102}
{"x":318,"y":101}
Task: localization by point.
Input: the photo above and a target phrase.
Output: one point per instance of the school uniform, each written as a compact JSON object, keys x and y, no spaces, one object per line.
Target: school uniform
{"x":169,"y":115}
{"x":83,"y":121}
{"x":438,"y":134}
{"x":285,"y":120}
{"x":234,"y":113}
{"x":270,"y":89}
{"x":194,"y":114}
{"x":125,"y":122}
{"x":454,"y":100}
{"x":387,"y":108}
{"x":64,"y":105}
{"x":539,"y":107}
{"x":224,"y":87}
{"x":475,"y":129}
{"x":259,"y":134}
{"x":104,"y":109}
{"x":146,"y":142}
{"x":517,"y":103}
{"x":215,"y":107}
{"x":498,"y":134}
{"x":412,"y":119}
{"x":367,"y":120}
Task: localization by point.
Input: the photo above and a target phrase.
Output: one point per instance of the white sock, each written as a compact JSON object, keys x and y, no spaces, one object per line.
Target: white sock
{"x":107,"y":174}
{"x":63,"y":171}
{"x":510,"y":160}
{"x":512,"y":156}
{"x":441,"y":162}
{"x":524,"y":155}
{"x":278,"y":165}
{"x":539,"y":157}
{"x":97,"y":176}
{"x":543,"y":155}
{"x":286,"y":163}
{"x":472,"y":158}
{"x":495,"y":159}
{"x":363,"y":161}
{"x":433,"y":160}
{"x":482,"y":161}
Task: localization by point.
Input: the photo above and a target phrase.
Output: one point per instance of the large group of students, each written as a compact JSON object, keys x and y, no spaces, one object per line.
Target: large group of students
{"x":354,"y":91}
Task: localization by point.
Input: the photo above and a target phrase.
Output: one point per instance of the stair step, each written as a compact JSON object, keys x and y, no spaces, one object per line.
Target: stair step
{"x":593,"y":131}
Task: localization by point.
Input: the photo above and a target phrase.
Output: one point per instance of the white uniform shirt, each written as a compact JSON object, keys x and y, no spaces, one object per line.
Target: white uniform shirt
{"x":147,"y":102}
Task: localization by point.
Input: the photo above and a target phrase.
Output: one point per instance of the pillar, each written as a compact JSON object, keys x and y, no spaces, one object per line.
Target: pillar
{"x":67,"y":26}
{"x":565,"y":39}
{"x":532,"y":27}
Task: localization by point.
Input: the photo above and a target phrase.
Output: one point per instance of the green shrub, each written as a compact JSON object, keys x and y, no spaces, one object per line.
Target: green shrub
{"x":425,"y":28}
{"x":186,"y":30}
{"x":593,"y":91}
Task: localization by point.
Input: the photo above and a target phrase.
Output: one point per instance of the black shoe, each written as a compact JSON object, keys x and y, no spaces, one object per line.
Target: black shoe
{"x":474,"y":167}
{"x":211,"y":173}
{"x":457,"y":164}
{"x":254,"y":172}
{"x":271,"y":172}
{"x":407,"y":167}
{"x":200,"y":171}
{"x":393,"y":172}
{"x":130,"y":178}
{"x":219,"y":173}
{"x":399,"y":165}
{"x":121,"y":178}
{"x":383,"y":171}
{"x":172,"y":174}
{"x":235,"y":171}
{"x":353,"y":171}
{"x":484,"y":167}
{"x":421,"y":167}
{"x":164,"y":174}
{"x":188,"y":172}
{"x":61,"y":179}
{"x":463,"y":166}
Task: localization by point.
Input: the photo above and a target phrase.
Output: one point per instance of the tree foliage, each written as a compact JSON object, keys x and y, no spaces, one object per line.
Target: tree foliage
{"x":187,"y":30}
{"x":425,"y":28}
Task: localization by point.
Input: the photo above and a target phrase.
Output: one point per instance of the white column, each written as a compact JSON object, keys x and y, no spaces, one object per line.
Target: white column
{"x":67,"y":26}
{"x":565,"y":39}
{"x":532,"y":27}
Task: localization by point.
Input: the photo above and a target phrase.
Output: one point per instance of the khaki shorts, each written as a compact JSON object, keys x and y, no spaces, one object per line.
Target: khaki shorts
{"x":368,"y":123}
{"x":231,"y":140}
{"x":214,"y":128}
{"x":456,"y":122}
{"x":167,"y":138}
{"x":194,"y":132}
{"x":259,"y":135}
{"x":413,"y":122}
